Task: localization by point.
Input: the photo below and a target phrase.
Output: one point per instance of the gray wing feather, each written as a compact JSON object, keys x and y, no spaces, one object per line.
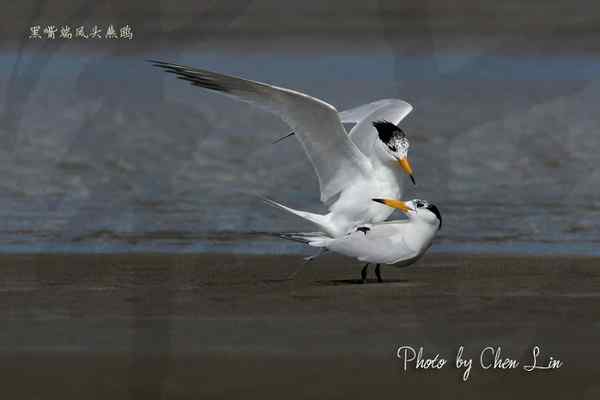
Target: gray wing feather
{"x":335,"y":158}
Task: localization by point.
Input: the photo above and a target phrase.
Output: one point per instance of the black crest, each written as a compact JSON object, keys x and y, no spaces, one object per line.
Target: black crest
{"x":387,"y":131}
{"x":437,"y":213}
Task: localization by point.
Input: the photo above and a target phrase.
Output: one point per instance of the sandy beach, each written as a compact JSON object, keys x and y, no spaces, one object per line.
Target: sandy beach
{"x":231,"y":326}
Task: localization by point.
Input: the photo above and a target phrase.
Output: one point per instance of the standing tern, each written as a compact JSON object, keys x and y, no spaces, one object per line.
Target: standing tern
{"x":351,"y":168}
{"x":400,"y":242}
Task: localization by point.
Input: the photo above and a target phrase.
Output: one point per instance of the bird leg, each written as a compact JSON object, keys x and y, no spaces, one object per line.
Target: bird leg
{"x":378,"y":273}
{"x":363,"y":273}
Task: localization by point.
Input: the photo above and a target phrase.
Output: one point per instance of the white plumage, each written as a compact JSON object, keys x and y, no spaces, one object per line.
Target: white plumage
{"x":351,"y":168}
{"x":400,"y":242}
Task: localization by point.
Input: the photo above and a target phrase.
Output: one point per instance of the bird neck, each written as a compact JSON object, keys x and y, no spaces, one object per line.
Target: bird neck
{"x":382,"y":158}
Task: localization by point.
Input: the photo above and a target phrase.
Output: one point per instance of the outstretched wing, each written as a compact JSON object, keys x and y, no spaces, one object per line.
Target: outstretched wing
{"x":336,"y":160}
{"x":364,"y":133}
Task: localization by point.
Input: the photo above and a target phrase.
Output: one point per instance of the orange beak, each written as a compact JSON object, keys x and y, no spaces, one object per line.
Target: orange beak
{"x":400,"y":205}
{"x":405,"y":164}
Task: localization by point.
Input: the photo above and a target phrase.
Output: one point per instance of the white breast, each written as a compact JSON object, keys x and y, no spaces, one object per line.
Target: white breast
{"x":386,"y":243}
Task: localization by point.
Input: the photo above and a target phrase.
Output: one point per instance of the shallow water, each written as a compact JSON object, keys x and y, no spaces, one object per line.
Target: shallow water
{"x":105,"y":153}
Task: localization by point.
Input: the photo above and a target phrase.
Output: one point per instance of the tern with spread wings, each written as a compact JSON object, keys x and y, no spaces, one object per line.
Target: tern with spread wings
{"x":399,"y":243}
{"x":351,"y":168}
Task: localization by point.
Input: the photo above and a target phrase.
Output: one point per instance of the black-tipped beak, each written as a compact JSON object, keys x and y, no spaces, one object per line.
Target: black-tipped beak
{"x":405,"y":164}
{"x":379,"y":201}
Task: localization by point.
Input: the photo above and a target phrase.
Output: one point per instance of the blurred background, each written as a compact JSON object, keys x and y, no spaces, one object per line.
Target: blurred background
{"x":102,"y":152}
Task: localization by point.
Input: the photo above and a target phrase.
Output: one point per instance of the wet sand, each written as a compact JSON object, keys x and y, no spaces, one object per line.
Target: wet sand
{"x":226,"y":326}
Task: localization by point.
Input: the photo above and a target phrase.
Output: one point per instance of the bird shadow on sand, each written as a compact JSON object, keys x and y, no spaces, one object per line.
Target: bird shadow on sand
{"x":277,"y":280}
{"x":370,"y":282}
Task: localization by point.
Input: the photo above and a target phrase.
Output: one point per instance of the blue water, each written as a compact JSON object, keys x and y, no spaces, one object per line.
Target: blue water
{"x":107,"y":154}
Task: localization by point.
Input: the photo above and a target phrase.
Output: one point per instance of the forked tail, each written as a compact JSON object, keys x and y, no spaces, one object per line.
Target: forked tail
{"x":322,"y":221}
{"x":315,"y":239}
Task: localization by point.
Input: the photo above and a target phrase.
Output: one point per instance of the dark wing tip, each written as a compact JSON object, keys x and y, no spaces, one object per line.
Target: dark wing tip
{"x":161,"y":64}
{"x":284,"y":137}
{"x":195,"y":77}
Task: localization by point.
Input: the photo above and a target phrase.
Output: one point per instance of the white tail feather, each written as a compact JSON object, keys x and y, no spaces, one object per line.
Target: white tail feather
{"x":322,"y":221}
{"x":315,"y":239}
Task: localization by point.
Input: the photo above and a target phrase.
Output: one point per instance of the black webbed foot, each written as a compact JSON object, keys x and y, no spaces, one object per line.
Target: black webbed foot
{"x":363,"y":229}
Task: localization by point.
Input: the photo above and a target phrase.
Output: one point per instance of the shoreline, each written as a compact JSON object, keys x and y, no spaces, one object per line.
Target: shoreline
{"x":284,"y":249}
